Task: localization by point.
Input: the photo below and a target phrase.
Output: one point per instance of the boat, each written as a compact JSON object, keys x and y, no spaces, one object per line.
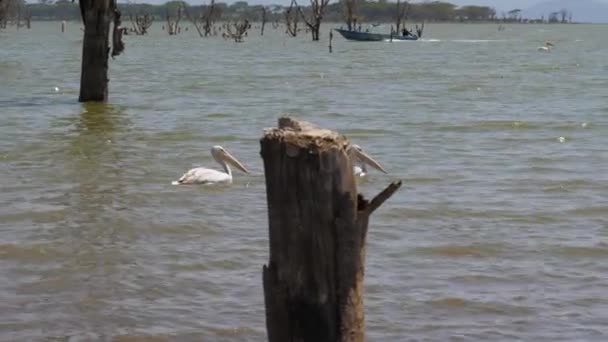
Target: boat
{"x":373,"y":37}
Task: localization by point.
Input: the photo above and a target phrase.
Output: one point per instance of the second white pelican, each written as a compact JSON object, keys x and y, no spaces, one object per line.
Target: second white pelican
{"x":360,"y":159}
{"x":546,"y":48}
{"x":203,"y":175}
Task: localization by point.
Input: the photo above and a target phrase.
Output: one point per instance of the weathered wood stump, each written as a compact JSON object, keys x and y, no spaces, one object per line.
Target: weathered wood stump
{"x":97,"y":15}
{"x":313,"y":283}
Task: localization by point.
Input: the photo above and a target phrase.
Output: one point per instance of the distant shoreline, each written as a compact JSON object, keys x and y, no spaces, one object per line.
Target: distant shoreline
{"x":367,"y":11}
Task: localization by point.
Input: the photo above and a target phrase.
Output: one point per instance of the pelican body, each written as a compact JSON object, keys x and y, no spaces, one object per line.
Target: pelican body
{"x":360,"y":159}
{"x":546,"y":48}
{"x":203,"y":175}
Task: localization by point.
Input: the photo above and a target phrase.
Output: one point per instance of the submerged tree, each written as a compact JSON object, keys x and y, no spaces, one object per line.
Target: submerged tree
{"x":209,"y":16}
{"x":263,"y":20}
{"x":350,"y":10}
{"x":15,"y":13}
{"x":237,"y":30}
{"x":564,"y":14}
{"x":403,"y":9}
{"x":3,"y":13}
{"x":291,"y":19}
{"x":553,"y":17}
{"x":317,"y":10}
{"x":420,"y":30}
{"x":97,"y":15}
{"x":205,"y":20}
{"x":173,"y":19}
{"x":141,"y":23}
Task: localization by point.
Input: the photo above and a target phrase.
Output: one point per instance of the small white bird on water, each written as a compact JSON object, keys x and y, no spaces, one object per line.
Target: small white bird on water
{"x":360,"y":159}
{"x":203,"y":175}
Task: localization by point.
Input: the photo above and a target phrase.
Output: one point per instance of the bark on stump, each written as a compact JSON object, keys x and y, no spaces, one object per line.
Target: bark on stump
{"x":313,"y":283}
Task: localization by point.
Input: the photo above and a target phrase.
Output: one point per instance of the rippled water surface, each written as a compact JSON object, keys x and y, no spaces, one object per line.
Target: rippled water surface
{"x":499,"y":233}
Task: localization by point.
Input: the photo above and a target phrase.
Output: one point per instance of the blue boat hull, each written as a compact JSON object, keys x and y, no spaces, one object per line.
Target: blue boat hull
{"x":372,"y":37}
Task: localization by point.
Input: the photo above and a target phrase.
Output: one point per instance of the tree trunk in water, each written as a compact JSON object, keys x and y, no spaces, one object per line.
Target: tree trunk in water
{"x":97,"y":15}
{"x":315,"y":32}
{"x":263,"y":20}
{"x":313,"y":283}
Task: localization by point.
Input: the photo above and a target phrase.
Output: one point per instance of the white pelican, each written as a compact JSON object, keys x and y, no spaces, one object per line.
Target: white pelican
{"x":203,"y":175}
{"x":546,"y":48}
{"x":360,"y":159}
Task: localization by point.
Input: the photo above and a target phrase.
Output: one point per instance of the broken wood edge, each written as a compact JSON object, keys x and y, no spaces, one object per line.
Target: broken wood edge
{"x":380,"y":198}
{"x":287,"y":122}
{"x":304,"y":134}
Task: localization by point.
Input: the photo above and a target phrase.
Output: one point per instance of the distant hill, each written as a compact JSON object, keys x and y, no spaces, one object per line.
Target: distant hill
{"x":582,"y":10}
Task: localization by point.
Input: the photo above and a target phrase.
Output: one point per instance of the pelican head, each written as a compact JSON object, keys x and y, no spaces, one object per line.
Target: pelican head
{"x":222,"y":156}
{"x":357,"y":152}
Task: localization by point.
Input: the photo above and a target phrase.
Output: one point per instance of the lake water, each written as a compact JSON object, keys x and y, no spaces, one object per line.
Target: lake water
{"x":500,"y":231}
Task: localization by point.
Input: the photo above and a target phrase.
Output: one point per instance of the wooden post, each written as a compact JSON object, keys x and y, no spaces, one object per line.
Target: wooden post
{"x":313,"y":283}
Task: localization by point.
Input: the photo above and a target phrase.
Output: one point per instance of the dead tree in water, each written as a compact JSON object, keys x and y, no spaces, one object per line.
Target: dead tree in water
{"x":313,"y":283}
{"x":97,"y":15}
{"x":141,"y":23}
{"x":205,"y":21}
{"x":7,"y":12}
{"x":291,"y":19}
{"x":3,"y":13}
{"x":28,"y":18}
{"x":263,"y":20}
{"x":401,"y":15}
{"x":3,"y":5}
{"x":15,"y":13}
{"x":173,"y":20}
{"x":237,"y":30}
{"x":24,"y":15}
{"x":317,"y":10}
{"x":350,"y":10}
{"x":209,"y":16}
{"x":419,"y":30}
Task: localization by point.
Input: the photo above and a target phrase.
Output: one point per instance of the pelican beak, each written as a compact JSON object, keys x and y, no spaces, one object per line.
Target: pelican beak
{"x":369,"y":160}
{"x":234,"y":162}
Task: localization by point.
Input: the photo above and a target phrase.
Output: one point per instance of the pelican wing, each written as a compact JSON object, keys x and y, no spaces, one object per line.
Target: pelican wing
{"x":202,"y":175}
{"x":367,"y":159}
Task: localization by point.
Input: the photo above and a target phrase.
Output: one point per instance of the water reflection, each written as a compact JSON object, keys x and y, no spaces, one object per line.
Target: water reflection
{"x":95,"y":231}
{"x":93,"y":160}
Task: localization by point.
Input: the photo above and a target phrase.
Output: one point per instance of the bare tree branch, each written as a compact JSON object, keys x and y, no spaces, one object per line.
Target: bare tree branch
{"x":380,"y":198}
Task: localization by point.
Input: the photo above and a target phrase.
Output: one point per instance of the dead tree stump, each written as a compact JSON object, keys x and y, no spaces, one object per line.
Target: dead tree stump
{"x":313,"y":283}
{"x":97,"y":15}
